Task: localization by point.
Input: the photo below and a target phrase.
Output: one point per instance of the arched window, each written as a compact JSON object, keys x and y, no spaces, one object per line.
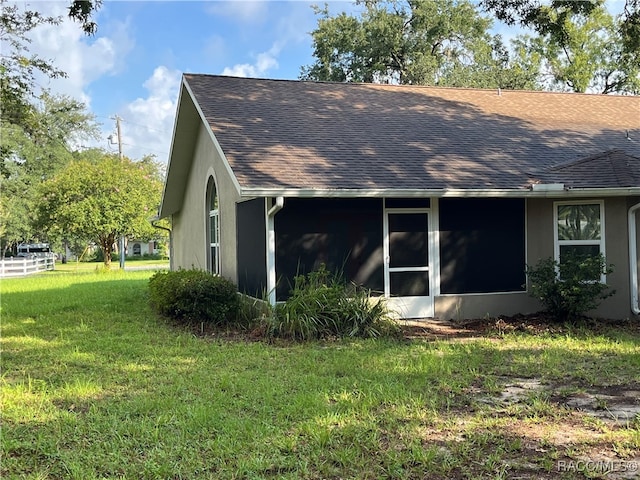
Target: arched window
{"x":136,"y":249}
{"x":213,"y":230}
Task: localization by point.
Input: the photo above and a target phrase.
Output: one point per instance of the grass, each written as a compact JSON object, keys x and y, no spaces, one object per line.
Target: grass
{"x":84,"y":267}
{"x":95,"y":386}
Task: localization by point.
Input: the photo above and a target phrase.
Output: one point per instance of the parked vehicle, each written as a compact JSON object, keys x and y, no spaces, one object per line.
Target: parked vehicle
{"x":35,"y":250}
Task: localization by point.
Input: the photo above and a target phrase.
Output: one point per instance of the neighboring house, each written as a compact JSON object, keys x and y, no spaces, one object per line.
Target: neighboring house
{"x":138,"y":248}
{"x":436,"y":198}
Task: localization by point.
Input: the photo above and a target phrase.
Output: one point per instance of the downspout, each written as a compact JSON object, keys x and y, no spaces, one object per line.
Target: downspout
{"x":160,"y":227}
{"x":271,"y":249}
{"x":633,"y":259}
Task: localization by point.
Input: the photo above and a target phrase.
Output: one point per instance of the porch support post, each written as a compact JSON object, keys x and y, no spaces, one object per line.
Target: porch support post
{"x":271,"y":248}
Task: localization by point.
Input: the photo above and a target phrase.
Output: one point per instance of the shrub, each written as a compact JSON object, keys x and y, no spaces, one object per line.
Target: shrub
{"x":194,"y":295}
{"x":569,"y":289}
{"x":323,"y":305}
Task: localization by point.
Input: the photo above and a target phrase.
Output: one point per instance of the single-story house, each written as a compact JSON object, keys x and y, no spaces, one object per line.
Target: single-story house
{"x":138,"y":248}
{"x":436,"y":198}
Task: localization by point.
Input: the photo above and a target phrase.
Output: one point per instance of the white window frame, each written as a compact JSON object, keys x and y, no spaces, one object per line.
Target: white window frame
{"x":214,"y":218}
{"x":557,"y":243}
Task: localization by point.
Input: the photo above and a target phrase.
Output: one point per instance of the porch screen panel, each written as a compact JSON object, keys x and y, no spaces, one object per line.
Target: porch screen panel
{"x":482,"y":245}
{"x":409,"y":284}
{"x":343,"y":234}
{"x":252,"y":247}
{"x":409,"y":241}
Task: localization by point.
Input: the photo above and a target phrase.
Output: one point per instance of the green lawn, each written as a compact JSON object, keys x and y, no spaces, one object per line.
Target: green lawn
{"x":78,"y":267}
{"x":95,"y":386}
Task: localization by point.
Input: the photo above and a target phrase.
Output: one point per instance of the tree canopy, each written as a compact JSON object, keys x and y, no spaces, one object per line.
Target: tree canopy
{"x":60,"y":123}
{"x":550,"y":18}
{"x":424,"y":42}
{"x":583,"y":46}
{"x":18,"y":67}
{"x":101,"y":197}
{"x":40,"y":131}
{"x":577,"y":46}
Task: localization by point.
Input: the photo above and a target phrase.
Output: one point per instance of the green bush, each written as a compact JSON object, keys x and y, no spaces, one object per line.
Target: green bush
{"x":572,"y":288}
{"x":194,"y":295}
{"x":322,"y":305}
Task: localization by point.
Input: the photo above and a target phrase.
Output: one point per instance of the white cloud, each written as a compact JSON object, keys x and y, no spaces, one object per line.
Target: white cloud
{"x":147,"y":123}
{"x":290,"y":30}
{"x":240,"y":70}
{"x":264,"y":62}
{"x":84,"y":59}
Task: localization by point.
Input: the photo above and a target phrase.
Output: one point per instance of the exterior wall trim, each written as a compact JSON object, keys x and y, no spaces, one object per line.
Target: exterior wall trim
{"x":217,"y":146}
{"x":271,"y":211}
{"x":250,"y":192}
{"x":211,"y":177}
{"x":479,"y":294}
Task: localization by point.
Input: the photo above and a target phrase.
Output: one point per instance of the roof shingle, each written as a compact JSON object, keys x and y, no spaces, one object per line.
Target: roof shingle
{"x":308,"y":135}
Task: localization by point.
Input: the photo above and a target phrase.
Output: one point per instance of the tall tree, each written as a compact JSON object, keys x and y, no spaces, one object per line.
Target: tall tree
{"x":60,"y":125}
{"x":586,"y":55}
{"x":584,"y":46}
{"x":102,"y":197}
{"x":38,"y":130}
{"x":494,"y":65}
{"x":408,"y":41}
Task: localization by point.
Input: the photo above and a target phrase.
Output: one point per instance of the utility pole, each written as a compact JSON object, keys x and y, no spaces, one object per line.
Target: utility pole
{"x":119,"y":134}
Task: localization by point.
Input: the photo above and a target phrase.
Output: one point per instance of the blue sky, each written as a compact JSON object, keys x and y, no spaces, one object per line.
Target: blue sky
{"x":133,"y":65}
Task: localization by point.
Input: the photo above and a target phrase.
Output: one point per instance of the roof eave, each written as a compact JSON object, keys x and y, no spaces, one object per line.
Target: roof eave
{"x":175,"y":178}
{"x":189,"y":116}
{"x":252,"y":192}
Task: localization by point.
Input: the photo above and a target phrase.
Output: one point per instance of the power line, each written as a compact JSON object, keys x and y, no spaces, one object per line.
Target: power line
{"x":144,"y":126}
{"x":142,"y":147}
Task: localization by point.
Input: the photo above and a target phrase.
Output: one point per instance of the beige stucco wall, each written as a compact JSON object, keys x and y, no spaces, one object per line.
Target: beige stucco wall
{"x":540,"y":228}
{"x":540,"y":245}
{"x":461,"y":307}
{"x":190,"y":223}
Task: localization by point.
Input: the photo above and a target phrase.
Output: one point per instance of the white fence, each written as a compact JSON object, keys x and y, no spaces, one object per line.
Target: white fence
{"x":25,"y":266}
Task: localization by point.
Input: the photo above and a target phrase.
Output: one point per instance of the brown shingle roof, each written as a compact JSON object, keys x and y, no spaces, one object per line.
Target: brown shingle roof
{"x":609,"y":169}
{"x":307,"y":135}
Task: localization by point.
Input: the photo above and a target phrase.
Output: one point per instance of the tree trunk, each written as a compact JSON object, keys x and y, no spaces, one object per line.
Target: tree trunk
{"x":106,"y":243}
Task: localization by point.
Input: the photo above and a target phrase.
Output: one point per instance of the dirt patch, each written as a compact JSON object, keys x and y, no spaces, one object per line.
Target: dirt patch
{"x":436,"y":330}
{"x":536,"y":323}
{"x":518,"y":389}
{"x":616,"y":405}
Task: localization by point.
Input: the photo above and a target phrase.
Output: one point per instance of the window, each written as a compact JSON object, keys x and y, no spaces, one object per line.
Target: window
{"x":579,"y":230}
{"x":213,"y":233}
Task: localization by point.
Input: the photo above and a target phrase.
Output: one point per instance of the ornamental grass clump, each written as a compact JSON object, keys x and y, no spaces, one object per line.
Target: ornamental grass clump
{"x":194,"y":295}
{"x":323,"y":305}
